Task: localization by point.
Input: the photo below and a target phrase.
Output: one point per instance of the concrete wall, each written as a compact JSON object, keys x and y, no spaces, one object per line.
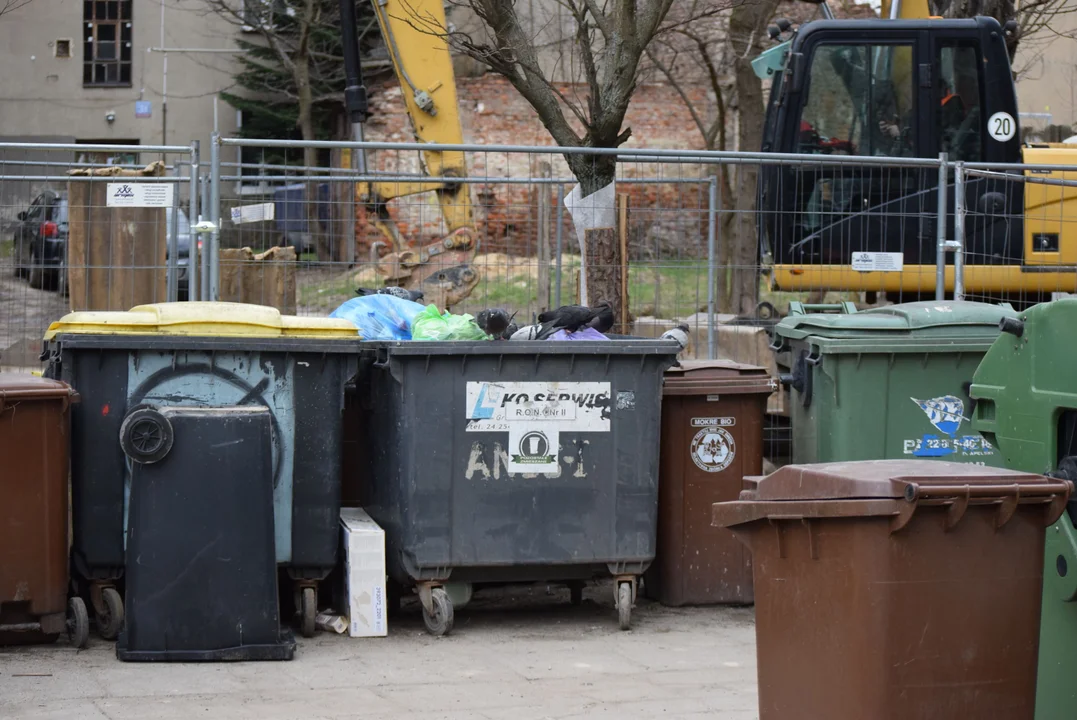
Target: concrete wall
{"x":1047,"y":63}
{"x":42,"y":95}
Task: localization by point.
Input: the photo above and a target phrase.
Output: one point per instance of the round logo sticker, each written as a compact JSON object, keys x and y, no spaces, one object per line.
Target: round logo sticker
{"x":713,"y":449}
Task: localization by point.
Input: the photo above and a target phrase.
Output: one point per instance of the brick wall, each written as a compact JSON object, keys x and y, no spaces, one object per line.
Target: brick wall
{"x":666,"y":217}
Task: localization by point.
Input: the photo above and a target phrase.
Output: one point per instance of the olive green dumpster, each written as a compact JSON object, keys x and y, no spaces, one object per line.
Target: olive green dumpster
{"x":1025,"y":395}
{"x":886,"y":383}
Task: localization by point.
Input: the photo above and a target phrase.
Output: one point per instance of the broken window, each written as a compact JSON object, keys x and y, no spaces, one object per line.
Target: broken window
{"x":106,"y":50}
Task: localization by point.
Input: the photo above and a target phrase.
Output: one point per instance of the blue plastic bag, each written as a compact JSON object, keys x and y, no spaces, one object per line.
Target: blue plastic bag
{"x":380,"y":317}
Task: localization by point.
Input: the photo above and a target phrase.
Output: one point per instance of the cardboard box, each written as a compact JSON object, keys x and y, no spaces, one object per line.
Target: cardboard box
{"x":364,"y":574}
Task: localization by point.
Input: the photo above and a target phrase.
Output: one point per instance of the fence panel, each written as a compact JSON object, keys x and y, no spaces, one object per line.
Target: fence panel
{"x":88,"y":227}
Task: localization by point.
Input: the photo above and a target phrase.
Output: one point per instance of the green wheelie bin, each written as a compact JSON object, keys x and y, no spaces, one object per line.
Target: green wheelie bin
{"x":886,"y":383}
{"x":1025,"y":395}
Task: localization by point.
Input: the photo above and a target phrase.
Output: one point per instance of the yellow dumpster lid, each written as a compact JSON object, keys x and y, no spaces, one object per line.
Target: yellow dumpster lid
{"x":219,"y":319}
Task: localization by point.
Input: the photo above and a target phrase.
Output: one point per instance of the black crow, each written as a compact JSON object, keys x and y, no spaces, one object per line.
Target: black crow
{"x":603,"y":319}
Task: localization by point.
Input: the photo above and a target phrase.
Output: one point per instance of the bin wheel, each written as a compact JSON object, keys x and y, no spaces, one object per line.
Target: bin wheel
{"x":624,"y":605}
{"x":575,"y":591}
{"x":308,"y":608}
{"x":440,"y":622}
{"x":78,"y":623}
{"x":110,"y":621}
{"x":146,"y":435}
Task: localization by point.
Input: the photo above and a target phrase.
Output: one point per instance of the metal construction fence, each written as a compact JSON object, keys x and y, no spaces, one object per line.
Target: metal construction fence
{"x":302,"y":226}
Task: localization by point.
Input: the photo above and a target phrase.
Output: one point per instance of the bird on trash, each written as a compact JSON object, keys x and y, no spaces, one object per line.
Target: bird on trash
{"x":679,"y":333}
{"x":509,"y":331}
{"x":494,"y":321}
{"x":527,"y":332}
{"x":603,"y":320}
{"x":404,"y":294}
{"x":569,"y":318}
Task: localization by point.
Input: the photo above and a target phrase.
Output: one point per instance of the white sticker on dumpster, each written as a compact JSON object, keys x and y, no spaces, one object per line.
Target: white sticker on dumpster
{"x":564,"y":406}
{"x":533,"y":448}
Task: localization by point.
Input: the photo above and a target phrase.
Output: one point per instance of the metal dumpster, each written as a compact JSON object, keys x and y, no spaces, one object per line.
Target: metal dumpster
{"x":895,"y":589}
{"x":205,"y":354}
{"x":34,"y":436}
{"x":1025,"y":399}
{"x":500,"y":462}
{"x":889,"y":382}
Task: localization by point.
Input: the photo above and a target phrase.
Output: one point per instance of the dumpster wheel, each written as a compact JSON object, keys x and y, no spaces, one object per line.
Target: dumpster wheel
{"x":439,"y":622}
{"x":575,"y":592}
{"x":110,"y":621}
{"x":78,"y":623}
{"x":308,"y":611}
{"x":624,"y":605}
{"x":146,"y":435}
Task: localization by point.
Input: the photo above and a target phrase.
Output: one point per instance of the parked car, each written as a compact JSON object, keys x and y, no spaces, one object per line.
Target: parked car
{"x":41,"y":242}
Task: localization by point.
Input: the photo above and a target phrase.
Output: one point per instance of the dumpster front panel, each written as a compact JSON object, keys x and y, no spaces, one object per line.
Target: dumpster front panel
{"x":167,"y":379}
{"x":882,"y":405}
{"x":34,"y":436}
{"x":490,"y":461}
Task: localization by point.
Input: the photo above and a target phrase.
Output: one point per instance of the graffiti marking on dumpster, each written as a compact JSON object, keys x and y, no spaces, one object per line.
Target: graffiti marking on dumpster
{"x":946,"y":414}
{"x":713,"y":449}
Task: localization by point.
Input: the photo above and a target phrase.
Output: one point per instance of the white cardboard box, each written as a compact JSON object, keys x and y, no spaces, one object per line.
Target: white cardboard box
{"x":364,"y":574}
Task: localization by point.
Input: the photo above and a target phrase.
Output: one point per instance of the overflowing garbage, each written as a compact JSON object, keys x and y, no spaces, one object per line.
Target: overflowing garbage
{"x":395,"y":314}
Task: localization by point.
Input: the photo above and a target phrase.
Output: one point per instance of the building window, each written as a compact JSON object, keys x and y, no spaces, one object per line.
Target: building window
{"x":63,"y":48}
{"x":106,"y":50}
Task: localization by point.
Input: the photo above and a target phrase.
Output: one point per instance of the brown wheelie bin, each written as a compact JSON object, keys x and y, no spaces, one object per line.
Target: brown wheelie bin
{"x":712,"y":436}
{"x":896,"y":589}
{"x":34,"y":439}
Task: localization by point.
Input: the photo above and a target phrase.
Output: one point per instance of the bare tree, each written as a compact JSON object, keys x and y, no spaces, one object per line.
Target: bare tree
{"x":718,"y":53}
{"x":7,"y":6}
{"x":1033,"y":17}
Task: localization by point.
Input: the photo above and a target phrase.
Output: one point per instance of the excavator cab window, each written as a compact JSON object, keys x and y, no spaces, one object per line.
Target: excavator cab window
{"x":959,"y":115}
{"x":860,"y":101}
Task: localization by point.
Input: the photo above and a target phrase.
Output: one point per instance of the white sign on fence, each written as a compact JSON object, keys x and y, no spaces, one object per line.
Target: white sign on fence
{"x":878,"y":261}
{"x":252,"y":213}
{"x":139,"y":195}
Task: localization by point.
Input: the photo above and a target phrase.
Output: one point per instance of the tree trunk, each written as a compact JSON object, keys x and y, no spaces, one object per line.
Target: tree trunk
{"x":747,"y":25}
{"x":310,"y":158}
{"x":593,"y":172}
{"x":603,"y":268}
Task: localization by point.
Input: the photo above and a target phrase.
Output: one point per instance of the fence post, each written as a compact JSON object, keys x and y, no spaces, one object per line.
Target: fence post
{"x":214,"y":290}
{"x":560,"y":230}
{"x":172,"y":263}
{"x":940,"y":232}
{"x":959,"y":231}
{"x":203,"y":268}
{"x":192,"y":218}
{"x":712,"y":274}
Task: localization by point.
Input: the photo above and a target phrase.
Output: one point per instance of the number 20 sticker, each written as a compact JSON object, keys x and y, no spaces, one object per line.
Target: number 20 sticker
{"x":1001,"y":126}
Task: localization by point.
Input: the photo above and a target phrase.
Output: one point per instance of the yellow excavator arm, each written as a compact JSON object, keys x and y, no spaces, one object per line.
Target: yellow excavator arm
{"x":423,"y":66}
{"x":413,"y":31}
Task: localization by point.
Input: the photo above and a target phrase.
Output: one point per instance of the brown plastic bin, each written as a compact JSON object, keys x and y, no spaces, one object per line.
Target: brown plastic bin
{"x":34,"y":441}
{"x":712,"y":436}
{"x":896,"y":589}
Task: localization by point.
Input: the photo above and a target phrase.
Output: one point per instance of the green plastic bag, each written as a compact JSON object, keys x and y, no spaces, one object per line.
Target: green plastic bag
{"x":433,"y":325}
